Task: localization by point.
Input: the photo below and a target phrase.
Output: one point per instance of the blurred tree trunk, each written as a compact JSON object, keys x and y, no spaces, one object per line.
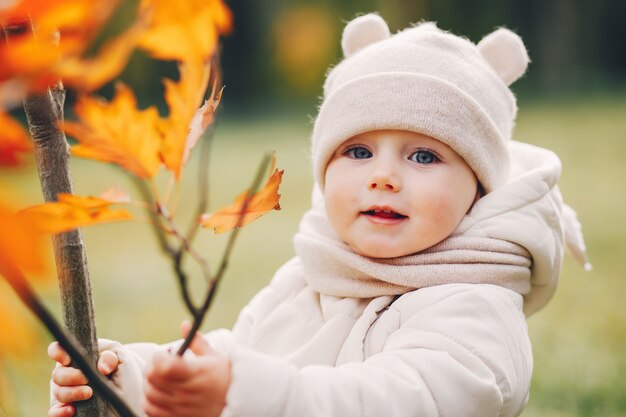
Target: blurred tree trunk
{"x":44,"y":112}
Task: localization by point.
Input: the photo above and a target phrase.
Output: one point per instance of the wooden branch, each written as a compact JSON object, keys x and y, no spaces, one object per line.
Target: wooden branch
{"x":100,"y":384}
{"x":44,"y":112}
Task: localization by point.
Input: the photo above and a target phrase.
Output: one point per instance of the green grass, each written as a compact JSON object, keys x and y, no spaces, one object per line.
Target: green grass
{"x":578,"y":340}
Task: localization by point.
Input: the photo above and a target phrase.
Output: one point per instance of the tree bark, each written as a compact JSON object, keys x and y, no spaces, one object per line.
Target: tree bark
{"x":44,"y":112}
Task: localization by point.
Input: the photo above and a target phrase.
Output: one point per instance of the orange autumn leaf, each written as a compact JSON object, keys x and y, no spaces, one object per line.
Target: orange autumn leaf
{"x":183,"y":99}
{"x":71,"y":212}
{"x":108,"y":197}
{"x":77,"y":20}
{"x":48,"y":40}
{"x":261,"y":202}
{"x":117,"y":132}
{"x":13,"y":140}
{"x":92,"y":73}
{"x":187,"y":30}
{"x":21,"y":243}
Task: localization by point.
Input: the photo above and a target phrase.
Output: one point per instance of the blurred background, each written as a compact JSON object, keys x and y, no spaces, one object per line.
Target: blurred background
{"x":572,"y":100}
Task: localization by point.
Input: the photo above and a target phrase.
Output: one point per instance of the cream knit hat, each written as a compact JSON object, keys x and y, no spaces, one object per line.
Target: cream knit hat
{"x":425,"y":80}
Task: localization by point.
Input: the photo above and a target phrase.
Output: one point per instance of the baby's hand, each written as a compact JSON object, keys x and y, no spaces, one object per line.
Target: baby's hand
{"x":195,"y":385}
{"x":69,"y":384}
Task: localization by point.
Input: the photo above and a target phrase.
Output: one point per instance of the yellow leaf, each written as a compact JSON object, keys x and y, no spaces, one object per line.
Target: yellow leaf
{"x":110,"y":196}
{"x":13,"y":140}
{"x":71,"y":212}
{"x":263,"y":201}
{"x":186,"y":30}
{"x":118,"y":132}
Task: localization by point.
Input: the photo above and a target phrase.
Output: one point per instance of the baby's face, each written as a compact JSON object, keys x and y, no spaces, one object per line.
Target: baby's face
{"x":392,"y":193}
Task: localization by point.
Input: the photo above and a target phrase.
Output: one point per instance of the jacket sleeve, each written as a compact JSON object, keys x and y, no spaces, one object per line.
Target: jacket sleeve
{"x":459,"y":351}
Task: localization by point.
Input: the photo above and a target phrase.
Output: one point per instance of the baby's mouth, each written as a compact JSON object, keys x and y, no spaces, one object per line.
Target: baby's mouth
{"x":384,"y":214}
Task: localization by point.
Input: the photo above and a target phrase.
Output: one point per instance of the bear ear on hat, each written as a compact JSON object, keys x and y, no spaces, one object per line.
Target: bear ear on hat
{"x":362,"y":31}
{"x":506,"y":53}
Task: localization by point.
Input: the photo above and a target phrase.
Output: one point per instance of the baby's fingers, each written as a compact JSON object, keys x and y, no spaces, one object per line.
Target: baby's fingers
{"x":56,"y":352}
{"x":108,"y":362}
{"x":61,"y":410}
{"x":68,"y":376}
{"x":71,"y":394}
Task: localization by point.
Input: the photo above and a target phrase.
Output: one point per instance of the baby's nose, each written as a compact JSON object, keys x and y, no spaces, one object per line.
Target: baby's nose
{"x":384,"y":182}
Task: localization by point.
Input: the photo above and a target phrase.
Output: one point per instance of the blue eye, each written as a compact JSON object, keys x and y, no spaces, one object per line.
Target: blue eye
{"x":424,"y":157}
{"x":358,"y":152}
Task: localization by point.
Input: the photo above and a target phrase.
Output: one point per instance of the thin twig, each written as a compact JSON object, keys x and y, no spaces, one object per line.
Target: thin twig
{"x":185,"y":246}
{"x":156,"y":217}
{"x":147,"y":196}
{"x":203,"y":184}
{"x":197,"y":322}
{"x":103,"y":386}
{"x":205,"y":152}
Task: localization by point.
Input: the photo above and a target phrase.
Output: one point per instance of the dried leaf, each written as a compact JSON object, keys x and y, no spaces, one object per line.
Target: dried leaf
{"x":118,"y":132}
{"x":187,"y":30}
{"x":114,"y":194}
{"x":183,"y":98}
{"x":13,"y":140}
{"x":203,"y":118}
{"x":263,"y":201}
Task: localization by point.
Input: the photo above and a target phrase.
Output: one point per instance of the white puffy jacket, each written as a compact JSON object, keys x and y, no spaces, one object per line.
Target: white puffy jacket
{"x":451,"y":350}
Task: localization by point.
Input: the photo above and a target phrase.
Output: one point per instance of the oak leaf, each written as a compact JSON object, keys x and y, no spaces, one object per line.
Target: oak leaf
{"x":259,"y":203}
{"x":72,"y":211}
{"x":117,"y":132}
{"x":13,"y":140}
{"x":187,"y":30}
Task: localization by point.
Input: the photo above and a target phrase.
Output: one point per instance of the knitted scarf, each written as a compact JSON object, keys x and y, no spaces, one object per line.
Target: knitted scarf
{"x":332,"y":268}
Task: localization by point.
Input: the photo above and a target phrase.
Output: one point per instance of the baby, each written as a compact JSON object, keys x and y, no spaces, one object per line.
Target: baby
{"x":432,"y":235}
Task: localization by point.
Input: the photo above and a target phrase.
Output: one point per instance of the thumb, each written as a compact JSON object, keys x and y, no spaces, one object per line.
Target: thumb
{"x":108,"y":362}
{"x":199,"y":345}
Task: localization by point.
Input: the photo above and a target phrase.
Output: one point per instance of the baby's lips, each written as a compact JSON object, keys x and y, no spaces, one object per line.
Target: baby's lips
{"x":384,"y":213}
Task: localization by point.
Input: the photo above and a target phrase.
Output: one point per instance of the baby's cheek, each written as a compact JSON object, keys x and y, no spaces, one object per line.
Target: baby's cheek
{"x":445,"y":214}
